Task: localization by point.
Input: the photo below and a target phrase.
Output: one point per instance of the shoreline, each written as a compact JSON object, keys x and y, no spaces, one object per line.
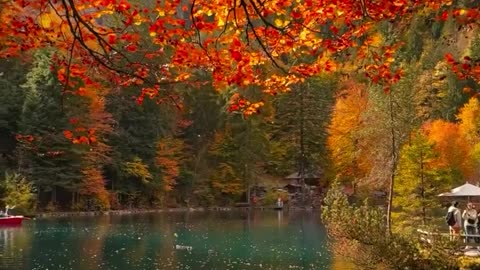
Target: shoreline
{"x":162,"y":210}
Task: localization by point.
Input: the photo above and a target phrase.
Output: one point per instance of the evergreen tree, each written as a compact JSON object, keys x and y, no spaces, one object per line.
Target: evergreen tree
{"x":238,"y":153}
{"x":205,"y":114}
{"x":299,"y":125}
{"x":137,"y":131}
{"x":12,"y":75}
{"x":46,"y":157}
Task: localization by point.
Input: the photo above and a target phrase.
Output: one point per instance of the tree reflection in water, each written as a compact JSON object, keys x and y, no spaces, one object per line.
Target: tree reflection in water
{"x":14,"y":247}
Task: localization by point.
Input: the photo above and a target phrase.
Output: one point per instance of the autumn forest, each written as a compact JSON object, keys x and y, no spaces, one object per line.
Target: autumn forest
{"x":111,"y":104}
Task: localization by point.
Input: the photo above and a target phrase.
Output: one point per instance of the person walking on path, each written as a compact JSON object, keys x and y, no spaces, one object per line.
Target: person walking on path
{"x":454,"y":220}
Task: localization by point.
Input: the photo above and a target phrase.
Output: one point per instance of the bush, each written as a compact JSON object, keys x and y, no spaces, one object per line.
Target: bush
{"x":359,"y":233}
{"x":114,"y":201}
{"x":469,"y":263}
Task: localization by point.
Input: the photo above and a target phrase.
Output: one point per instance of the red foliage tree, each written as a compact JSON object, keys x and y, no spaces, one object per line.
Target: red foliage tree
{"x":268,"y":44}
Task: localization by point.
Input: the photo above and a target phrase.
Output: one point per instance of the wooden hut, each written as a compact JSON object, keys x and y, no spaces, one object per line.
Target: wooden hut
{"x":312,"y":179}
{"x":293,"y":187}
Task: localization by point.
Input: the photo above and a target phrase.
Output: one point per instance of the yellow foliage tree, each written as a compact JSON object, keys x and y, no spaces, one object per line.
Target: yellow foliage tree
{"x":343,"y":129}
{"x":226,"y":181}
{"x":138,"y":169}
{"x":469,"y":124}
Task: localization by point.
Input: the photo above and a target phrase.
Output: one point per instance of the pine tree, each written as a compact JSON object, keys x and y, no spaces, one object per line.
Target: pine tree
{"x":46,"y":157}
{"x":137,"y":132}
{"x":299,"y":124}
{"x":238,"y":151}
{"x":12,"y":75}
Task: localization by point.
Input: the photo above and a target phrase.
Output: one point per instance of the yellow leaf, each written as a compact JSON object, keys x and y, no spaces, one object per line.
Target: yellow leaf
{"x":278,"y":22}
{"x":48,"y":19}
{"x":45,"y":20}
{"x":375,"y":40}
{"x":220,"y":22}
{"x":182,"y":77}
{"x":303,"y":34}
{"x":106,"y":11}
{"x":137,"y":20}
{"x":161,"y":12}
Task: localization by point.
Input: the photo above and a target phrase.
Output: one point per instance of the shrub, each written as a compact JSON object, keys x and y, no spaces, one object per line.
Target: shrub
{"x":469,"y":263}
{"x":18,"y":193}
{"x":359,"y":233}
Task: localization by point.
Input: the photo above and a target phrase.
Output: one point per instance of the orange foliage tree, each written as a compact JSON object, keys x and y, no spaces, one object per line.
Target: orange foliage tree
{"x":93,"y":186}
{"x":452,"y":149}
{"x":91,"y":131}
{"x":169,"y":159}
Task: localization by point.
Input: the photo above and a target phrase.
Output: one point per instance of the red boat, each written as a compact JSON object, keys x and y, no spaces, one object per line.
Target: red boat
{"x":11,"y":221}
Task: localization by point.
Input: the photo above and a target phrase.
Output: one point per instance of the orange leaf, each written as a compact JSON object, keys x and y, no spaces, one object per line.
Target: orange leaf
{"x":449,"y":58}
{"x":68,"y":134}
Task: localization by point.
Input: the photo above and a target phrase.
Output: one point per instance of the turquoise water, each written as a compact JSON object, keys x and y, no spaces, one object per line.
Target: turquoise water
{"x":173,"y":240}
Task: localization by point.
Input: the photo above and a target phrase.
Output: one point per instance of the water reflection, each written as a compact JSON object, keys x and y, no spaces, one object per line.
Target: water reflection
{"x":219,"y":240}
{"x":14,"y":246}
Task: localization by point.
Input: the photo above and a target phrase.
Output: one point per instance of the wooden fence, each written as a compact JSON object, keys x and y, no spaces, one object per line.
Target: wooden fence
{"x":460,"y":239}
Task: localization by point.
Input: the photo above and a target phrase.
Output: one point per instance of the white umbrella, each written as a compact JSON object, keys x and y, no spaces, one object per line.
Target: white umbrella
{"x":466,"y":190}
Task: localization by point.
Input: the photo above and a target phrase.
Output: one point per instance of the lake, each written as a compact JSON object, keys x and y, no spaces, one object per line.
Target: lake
{"x":170,"y":240}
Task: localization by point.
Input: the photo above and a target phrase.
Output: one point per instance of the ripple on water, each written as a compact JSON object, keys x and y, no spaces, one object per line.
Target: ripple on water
{"x":234,"y":240}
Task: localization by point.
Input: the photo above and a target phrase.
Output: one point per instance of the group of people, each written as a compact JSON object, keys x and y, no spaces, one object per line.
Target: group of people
{"x":469,"y":218}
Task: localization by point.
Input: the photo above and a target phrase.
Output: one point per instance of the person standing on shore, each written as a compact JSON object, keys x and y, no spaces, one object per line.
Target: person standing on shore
{"x":279,"y":202}
{"x":470,"y":222}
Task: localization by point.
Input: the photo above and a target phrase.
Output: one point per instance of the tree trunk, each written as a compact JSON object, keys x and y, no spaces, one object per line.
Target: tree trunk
{"x":73,"y":200}
{"x":54,"y":195}
{"x":247,"y":184}
{"x":422,"y":189}
{"x":302,"y":145}
{"x":390,"y":200}
{"x":393,"y":166}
